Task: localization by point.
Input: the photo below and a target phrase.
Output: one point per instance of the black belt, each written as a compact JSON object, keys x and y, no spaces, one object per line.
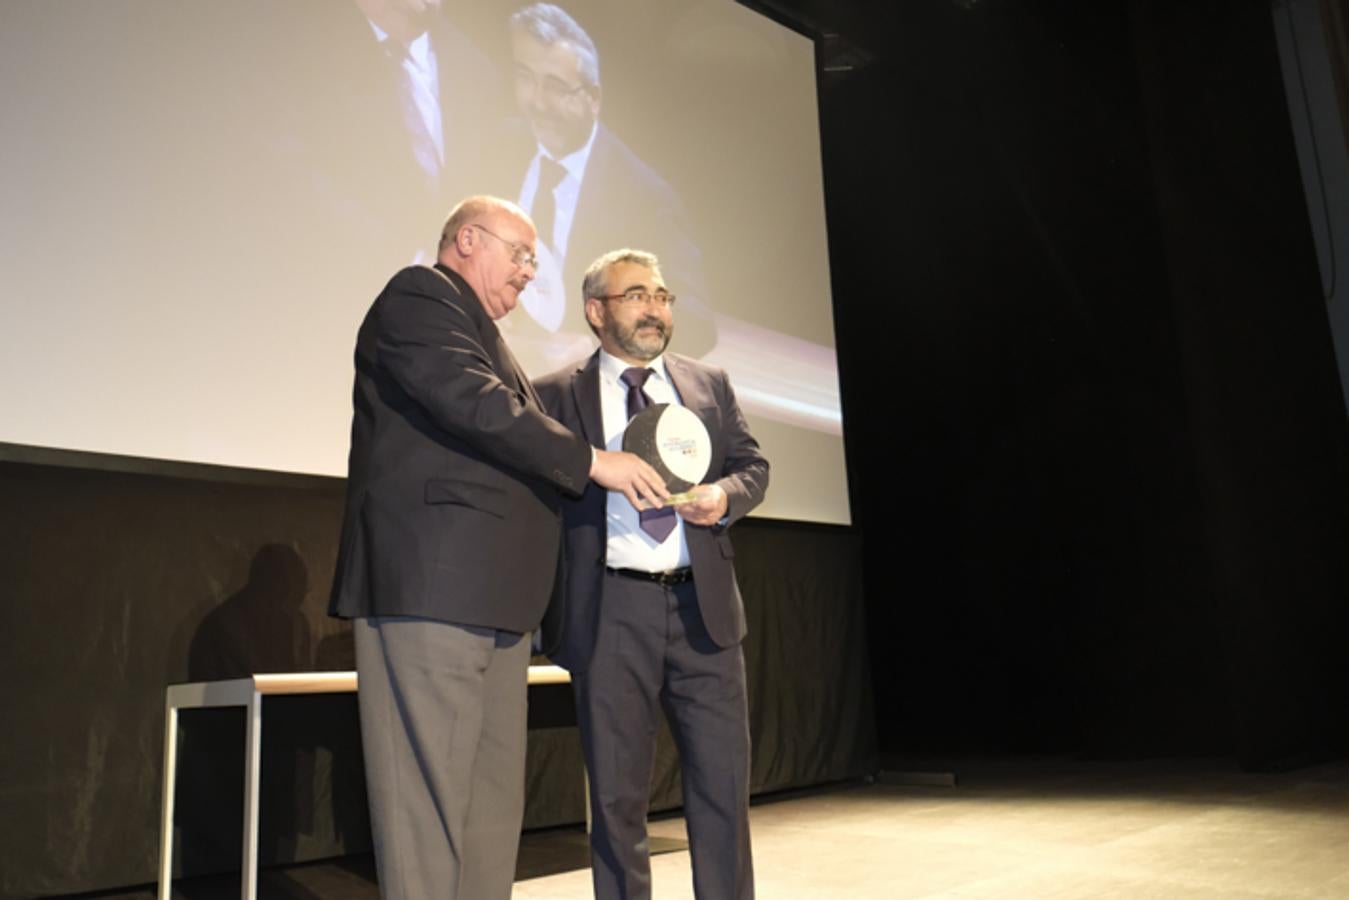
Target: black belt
{"x":667,"y":578}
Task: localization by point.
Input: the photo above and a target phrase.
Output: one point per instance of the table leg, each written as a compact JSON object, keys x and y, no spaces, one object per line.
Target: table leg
{"x":166,"y":805}
{"x":252,"y":770}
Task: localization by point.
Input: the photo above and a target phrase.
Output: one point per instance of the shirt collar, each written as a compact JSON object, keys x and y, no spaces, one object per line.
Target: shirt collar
{"x":612,"y":368}
{"x":575,"y":161}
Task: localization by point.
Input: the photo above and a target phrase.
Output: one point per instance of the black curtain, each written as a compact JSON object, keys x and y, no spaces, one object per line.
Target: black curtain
{"x":1092,"y":402}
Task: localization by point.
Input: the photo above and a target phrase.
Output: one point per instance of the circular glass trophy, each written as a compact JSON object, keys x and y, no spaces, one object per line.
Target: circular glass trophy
{"x":676,"y":444}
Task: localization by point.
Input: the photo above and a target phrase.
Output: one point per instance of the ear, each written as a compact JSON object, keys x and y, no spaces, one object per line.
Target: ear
{"x":465,"y":239}
{"x":594,"y":312}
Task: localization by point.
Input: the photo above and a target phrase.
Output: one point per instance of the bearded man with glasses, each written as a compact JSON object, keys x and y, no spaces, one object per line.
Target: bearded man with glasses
{"x":586,"y":189}
{"x":649,"y":617}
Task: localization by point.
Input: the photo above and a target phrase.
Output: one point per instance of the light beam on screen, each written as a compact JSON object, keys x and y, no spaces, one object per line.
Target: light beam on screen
{"x":200,"y":201}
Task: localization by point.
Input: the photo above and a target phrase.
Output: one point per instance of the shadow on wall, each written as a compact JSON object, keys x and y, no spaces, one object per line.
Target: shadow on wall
{"x":313,"y":787}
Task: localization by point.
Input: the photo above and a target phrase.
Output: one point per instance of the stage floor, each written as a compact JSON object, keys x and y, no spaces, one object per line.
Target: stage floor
{"x":1040,"y":830}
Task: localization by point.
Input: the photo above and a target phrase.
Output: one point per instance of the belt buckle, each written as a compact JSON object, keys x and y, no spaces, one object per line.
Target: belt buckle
{"x":672,"y":577}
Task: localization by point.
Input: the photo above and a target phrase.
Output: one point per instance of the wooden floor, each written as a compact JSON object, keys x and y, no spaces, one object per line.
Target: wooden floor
{"x":1034,"y":830}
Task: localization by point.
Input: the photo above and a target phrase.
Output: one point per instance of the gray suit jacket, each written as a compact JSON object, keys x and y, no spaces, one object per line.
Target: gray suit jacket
{"x":572,"y":396}
{"x":456,"y":475}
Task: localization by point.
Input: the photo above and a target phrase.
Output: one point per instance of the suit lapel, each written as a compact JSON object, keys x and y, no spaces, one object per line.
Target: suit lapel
{"x":522,"y":382}
{"x":686,"y":385}
{"x":585,"y":386}
{"x":586,"y":239}
{"x":591,"y":188}
{"x":503,"y":360}
{"x":694,"y":394}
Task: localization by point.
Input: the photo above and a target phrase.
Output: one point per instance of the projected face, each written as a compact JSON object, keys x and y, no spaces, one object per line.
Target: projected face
{"x":497,"y":259}
{"x":634,"y":330}
{"x":551,"y":93}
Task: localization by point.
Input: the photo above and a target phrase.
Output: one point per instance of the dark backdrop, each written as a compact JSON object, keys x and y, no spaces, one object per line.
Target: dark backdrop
{"x":1095,"y":428}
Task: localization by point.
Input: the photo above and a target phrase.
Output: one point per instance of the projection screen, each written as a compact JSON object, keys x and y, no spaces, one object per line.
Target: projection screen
{"x":199,"y":200}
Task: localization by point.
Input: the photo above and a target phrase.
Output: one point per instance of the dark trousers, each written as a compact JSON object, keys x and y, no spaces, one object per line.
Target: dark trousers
{"x":652,"y":655}
{"x":443,"y":728}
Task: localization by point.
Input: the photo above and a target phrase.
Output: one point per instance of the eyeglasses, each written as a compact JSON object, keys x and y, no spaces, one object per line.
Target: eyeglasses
{"x":637,"y":296}
{"x":554,"y":89}
{"x":521,"y":255}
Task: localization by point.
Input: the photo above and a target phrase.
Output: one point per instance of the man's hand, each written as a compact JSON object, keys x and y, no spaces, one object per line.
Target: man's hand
{"x":626,"y":472}
{"x":707,"y":508}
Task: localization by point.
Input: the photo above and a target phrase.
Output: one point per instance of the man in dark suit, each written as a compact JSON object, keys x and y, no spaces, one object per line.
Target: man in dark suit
{"x":648,"y":614}
{"x":448,"y":555}
{"x":586,"y":189}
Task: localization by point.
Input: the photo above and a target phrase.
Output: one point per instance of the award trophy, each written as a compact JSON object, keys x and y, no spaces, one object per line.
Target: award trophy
{"x":676,"y":444}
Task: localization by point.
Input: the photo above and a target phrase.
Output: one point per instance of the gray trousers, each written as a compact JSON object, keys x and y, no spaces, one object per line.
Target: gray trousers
{"x":653,"y":655}
{"x":443,"y":720}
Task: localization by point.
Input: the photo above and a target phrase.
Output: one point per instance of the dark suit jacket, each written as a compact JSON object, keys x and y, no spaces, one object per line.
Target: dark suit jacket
{"x":572,"y":395}
{"x":456,"y":474}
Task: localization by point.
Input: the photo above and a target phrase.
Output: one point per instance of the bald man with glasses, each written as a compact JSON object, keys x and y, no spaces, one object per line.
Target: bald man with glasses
{"x":448,"y":553}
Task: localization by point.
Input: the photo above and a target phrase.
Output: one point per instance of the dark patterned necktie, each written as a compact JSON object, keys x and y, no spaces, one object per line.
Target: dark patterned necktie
{"x":551,"y":174}
{"x":656,"y":522}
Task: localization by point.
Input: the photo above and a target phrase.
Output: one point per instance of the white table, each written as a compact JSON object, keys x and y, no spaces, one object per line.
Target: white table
{"x":248,"y":693}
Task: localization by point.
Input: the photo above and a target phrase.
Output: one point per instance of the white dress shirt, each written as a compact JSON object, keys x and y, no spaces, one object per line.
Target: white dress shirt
{"x":545,"y":298}
{"x":629,"y":546}
{"x":565,"y":195}
{"x":421,"y":89}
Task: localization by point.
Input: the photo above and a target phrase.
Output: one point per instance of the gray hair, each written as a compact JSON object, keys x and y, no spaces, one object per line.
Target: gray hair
{"x":550,"y":25}
{"x":597,"y":273}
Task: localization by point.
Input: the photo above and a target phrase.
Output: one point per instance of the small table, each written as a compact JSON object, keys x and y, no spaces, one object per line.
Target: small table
{"x":248,"y":693}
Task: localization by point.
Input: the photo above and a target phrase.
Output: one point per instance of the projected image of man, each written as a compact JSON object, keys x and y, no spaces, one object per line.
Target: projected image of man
{"x":373,"y":120}
{"x":586,"y":189}
{"x":448,"y":552}
{"x":649,"y":618}
{"x":403,"y":29}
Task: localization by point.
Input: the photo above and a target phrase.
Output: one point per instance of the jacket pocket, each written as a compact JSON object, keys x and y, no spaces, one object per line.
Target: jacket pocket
{"x":482,"y":497}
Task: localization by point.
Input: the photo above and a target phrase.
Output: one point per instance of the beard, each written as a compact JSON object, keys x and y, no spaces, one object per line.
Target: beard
{"x":638,"y":344}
